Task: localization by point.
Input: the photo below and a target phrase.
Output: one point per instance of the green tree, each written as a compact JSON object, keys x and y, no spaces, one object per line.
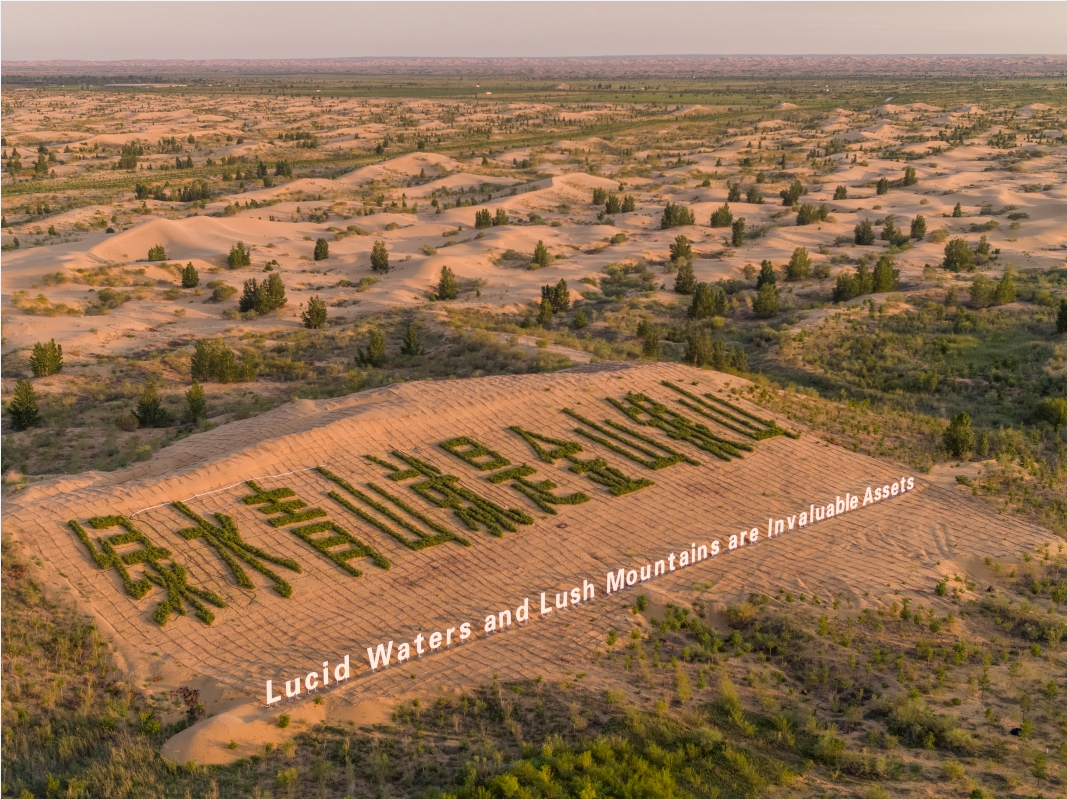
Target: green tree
{"x":649,"y":341}
{"x":765,"y":304}
{"x":128,"y":155}
{"x":314,"y":317}
{"x":540,"y":255}
{"x":918,"y":228}
{"x":958,"y":438}
{"x":544,"y":315}
{"x":808,"y":213}
{"x":23,"y":406}
{"x":676,"y":215}
{"x":613,"y":205}
{"x":558,"y":296}
{"x":733,"y":192}
{"x":698,"y":348}
{"x":864,"y":233}
{"x":629,"y":204}
{"x":883,"y":186}
{"x":150,"y":411}
{"x":799,"y":266}
{"x":958,"y":256}
{"x":792,"y":195}
{"x":957,"y":211}
{"x":195,"y":404}
{"x":841,"y":193}
{"x":910,"y":177}
{"x":1005,"y":291}
{"x":483,"y":218}
{"x":379,"y":257}
{"x":157,"y":253}
{"x":766,"y":275}
{"x":239,"y":256}
{"x":501,"y":217}
{"x":375,"y":354}
{"x":754,"y":195}
{"x":190,"y":277}
{"x":213,"y":360}
{"x":447,"y":285}
{"x":46,"y":358}
{"x":685,"y":281}
{"x":722,"y":216}
{"x":600,"y":196}
{"x":283,"y":169}
{"x":681,"y":250}
{"x":1061,"y":317}
{"x":737,"y":232}
{"x":580,"y":319}
{"x":322,"y":249}
{"x":1053,"y":410}
{"x":273,"y":294}
{"x":708,"y":301}
{"x":885,"y":277}
{"x":410,"y":345}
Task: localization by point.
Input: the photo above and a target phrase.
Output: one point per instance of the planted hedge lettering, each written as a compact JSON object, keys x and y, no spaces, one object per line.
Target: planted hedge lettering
{"x":596,"y":469}
{"x":226,"y":540}
{"x":174,"y":579}
{"x":421,"y":540}
{"x":444,"y":491}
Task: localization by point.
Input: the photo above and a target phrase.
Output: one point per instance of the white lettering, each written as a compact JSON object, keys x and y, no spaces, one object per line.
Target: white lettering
{"x":380,"y":656}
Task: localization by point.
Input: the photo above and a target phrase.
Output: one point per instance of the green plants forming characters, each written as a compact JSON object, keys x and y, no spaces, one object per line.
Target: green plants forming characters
{"x":597,"y":469}
{"x":440,"y":533}
{"x":649,"y":413}
{"x":445,"y":491}
{"x":733,"y":417}
{"x":291,"y":511}
{"x":622,"y":443}
{"x":172,"y":578}
{"x":226,"y":540}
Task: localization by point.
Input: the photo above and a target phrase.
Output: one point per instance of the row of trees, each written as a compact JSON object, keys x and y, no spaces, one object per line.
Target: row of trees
{"x":484,"y":219}
{"x":375,"y":354}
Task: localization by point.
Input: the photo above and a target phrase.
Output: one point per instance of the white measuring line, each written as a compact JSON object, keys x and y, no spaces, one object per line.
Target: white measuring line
{"x":224,"y":488}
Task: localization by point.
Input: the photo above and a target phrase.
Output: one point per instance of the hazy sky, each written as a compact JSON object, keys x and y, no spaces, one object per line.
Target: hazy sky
{"x":208,"y":30}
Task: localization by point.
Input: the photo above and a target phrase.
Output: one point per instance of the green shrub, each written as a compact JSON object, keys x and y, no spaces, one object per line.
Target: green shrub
{"x":190,"y":277}
{"x":239,"y":256}
{"x":447,"y":286}
{"x":213,"y":360}
{"x":314,"y":316}
{"x":150,"y":411}
{"x":23,"y":406}
{"x":322,"y":250}
{"x":958,"y":438}
{"x":958,"y":256}
{"x":379,"y":257}
{"x":375,"y":354}
{"x":765,"y":303}
{"x":737,"y":232}
{"x":864,"y":233}
{"x":410,"y":346}
{"x":707,"y":302}
{"x":676,"y":215}
{"x":157,"y":253}
{"x":46,"y":358}
{"x":541,"y":257}
{"x":196,"y":405}
{"x":558,"y":296}
{"x":685,"y":281}
{"x":799,"y":266}
{"x":722,"y":216}
{"x":1053,"y":411}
